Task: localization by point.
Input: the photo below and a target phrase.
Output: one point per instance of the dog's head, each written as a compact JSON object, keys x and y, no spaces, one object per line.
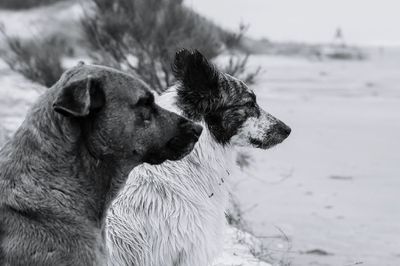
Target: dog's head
{"x":226,"y":104}
{"x":119,"y":118}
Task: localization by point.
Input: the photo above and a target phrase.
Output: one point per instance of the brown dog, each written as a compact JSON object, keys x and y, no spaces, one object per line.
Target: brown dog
{"x":70,"y":157}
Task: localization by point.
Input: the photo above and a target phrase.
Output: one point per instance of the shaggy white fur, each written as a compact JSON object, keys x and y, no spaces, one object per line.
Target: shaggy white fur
{"x":172,"y":214}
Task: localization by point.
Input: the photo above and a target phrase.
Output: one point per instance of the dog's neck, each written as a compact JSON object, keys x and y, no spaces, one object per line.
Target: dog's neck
{"x":62,"y":170}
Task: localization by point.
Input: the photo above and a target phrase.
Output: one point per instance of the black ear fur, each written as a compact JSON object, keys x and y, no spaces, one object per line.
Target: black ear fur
{"x":194,"y":71}
{"x":79,"y":98}
{"x":199,"y":82}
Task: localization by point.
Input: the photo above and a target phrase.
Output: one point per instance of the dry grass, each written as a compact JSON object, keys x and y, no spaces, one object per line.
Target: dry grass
{"x":261,"y":247}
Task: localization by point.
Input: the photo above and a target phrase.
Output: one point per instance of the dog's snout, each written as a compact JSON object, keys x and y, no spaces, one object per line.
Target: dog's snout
{"x":184,"y":122}
{"x":197,"y":129}
{"x":191,"y":127}
{"x":282,"y":129}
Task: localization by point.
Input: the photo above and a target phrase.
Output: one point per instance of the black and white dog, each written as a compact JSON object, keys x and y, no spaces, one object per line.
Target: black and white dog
{"x":173,"y":214}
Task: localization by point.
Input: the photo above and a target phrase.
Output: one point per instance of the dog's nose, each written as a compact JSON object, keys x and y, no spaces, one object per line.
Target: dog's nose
{"x":282,"y":129}
{"x":197,"y":129}
{"x":190,"y":127}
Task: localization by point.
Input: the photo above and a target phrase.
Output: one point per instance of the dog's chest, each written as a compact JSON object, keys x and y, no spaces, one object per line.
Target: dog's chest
{"x":183,"y":201}
{"x":187,"y":208}
{"x":200,"y":179}
{"x":195,"y":183}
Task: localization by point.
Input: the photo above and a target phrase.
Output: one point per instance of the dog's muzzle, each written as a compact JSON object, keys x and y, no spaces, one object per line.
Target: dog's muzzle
{"x":179,"y":146}
{"x":275,"y":135}
{"x":183,"y":144}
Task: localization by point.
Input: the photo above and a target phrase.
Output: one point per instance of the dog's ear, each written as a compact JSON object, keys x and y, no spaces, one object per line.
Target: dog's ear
{"x":199,"y":83}
{"x":79,"y":98}
{"x":194,"y":71}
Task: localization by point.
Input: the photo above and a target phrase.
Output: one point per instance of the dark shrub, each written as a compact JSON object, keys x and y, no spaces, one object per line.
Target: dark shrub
{"x":142,"y":36}
{"x":37,"y":60}
{"x":237,"y":66}
{"x":25,"y":4}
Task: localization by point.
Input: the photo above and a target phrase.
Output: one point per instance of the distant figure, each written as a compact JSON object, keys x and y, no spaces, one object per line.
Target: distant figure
{"x":339,"y":39}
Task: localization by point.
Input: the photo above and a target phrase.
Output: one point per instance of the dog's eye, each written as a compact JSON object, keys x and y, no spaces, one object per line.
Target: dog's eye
{"x":147,"y":117}
{"x":147,"y":100}
{"x":250,"y":104}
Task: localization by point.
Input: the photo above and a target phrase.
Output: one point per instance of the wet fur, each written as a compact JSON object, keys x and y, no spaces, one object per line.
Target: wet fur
{"x":173,"y":214}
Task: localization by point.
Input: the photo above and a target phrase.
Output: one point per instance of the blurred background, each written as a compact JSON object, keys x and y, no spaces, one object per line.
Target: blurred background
{"x":329,"y":195}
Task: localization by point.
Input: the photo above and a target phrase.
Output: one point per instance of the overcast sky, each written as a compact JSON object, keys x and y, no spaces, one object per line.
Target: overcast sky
{"x":362,"y":21}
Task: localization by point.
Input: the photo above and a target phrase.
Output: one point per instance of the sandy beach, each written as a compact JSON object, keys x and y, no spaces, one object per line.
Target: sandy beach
{"x":332,"y":187}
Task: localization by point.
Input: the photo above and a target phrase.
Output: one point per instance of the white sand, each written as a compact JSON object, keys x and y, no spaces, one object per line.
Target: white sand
{"x":334,"y":184}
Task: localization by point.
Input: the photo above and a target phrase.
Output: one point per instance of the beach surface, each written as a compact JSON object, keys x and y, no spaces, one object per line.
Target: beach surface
{"x":332,"y":188}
